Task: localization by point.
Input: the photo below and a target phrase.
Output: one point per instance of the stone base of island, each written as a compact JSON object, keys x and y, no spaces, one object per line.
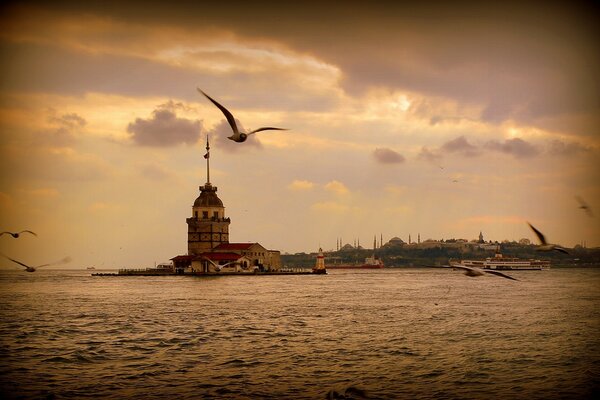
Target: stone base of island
{"x":172,"y":272}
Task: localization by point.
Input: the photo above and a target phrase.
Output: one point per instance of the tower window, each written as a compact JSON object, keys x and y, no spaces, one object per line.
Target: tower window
{"x":195,"y":214}
{"x":215,"y":214}
{"x":205,"y":214}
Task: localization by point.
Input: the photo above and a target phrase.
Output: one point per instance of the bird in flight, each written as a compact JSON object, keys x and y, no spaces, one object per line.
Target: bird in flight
{"x":29,"y":268}
{"x":584,"y":206}
{"x":17,"y":234}
{"x":237,"y":135}
{"x":475,"y":272}
{"x":545,"y":246}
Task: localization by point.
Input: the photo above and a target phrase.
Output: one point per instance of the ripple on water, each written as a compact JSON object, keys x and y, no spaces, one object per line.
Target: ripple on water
{"x":277,"y":338}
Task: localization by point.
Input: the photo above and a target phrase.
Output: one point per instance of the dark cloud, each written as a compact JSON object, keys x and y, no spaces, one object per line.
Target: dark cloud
{"x":510,"y":59}
{"x":460,"y":145}
{"x":219,"y":137}
{"x":47,"y":68}
{"x":557,"y":147}
{"x":164,"y":128}
{"x":515,"y":147}
{"x":388,"y":156}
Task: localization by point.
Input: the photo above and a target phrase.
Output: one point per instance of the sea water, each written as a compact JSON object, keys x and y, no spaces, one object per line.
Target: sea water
{"x":378,"y":334}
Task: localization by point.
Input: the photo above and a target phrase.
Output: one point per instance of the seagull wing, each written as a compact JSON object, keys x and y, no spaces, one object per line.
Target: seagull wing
{"x":15,"y":261}
{"x":499,"y":274}
{"x":538,"y":233}
{"x":583,"y":205}
{"x":267,"y":128}
{"x":557,"y":248}
{"x":225,"y":112}
{"x":59,"y":262}
{"x":33,"y":233}
{"x":469,"y":271}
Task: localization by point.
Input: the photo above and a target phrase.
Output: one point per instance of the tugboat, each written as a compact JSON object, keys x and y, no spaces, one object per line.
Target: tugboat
{"x":319,"y":267}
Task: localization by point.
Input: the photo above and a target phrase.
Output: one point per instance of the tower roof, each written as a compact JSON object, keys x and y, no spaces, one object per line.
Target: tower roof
{"x":208,"y":197}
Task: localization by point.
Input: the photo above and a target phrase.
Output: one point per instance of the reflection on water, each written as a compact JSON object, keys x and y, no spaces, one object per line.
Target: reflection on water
{"x":387,"y":334}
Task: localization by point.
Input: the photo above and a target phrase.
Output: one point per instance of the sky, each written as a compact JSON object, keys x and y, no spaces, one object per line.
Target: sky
{"x":439,"y":120}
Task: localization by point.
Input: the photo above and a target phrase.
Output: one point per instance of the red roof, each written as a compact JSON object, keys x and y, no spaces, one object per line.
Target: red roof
{"x":234,"y":246}
{"x":218,"y":256}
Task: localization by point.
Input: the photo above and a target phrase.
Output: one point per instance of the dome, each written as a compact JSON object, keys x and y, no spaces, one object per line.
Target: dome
{"x":208,"y":197}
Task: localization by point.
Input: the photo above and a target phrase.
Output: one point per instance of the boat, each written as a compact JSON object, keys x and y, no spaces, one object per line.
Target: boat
{"x":370,"y":263}
{"x":501,"y":263}
{"x":90,"y":268}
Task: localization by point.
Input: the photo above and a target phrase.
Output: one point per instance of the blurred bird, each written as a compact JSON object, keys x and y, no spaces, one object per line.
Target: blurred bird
{"x":17,"y":234}
{"x":219,"y":266}
{"x":544,"y":246}
{"x":29,"y":268}
{"x":237,"y":135}
{"x":584,"y":206}
{"x":475,"y":272}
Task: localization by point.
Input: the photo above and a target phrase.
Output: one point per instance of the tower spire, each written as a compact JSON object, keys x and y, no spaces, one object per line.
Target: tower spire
{"x":207,"y":156}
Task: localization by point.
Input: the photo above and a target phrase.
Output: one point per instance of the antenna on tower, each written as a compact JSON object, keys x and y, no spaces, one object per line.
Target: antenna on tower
{"x":207,"y":157}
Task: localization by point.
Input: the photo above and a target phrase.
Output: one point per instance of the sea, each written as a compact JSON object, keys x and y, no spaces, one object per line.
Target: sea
{"x":395,"y":333}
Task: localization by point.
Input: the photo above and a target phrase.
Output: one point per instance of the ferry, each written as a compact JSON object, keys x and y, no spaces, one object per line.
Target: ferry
{"x":499,"y":262}
{"x":370,"y":263}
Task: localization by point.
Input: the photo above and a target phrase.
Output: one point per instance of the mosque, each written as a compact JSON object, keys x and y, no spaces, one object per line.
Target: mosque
{"x":209,"y":249}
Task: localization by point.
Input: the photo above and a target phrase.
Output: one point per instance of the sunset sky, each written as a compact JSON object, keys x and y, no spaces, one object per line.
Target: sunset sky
{"x":402,"y":120}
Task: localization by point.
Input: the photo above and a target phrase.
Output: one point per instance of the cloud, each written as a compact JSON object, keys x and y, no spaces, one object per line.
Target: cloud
{"x":515,"y":147}
{"x":337,"y":187}
{"x":460,"y":145}
{"x":164,"y":128}
{"x":64,"y":128}
{"x":301,"y":185}
{"x":560,"y":148}
{"x":428,"y":155}
{"x":388,"y":156}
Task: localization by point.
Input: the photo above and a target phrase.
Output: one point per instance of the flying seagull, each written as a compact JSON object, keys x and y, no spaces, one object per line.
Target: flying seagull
{"x":584,"y":206}
{"x":29,"y":268}
{"x":219,"y":266}
{"x":237,"y":135}
{"x":475,"y":272}
{"x":544,"y":245}
{"x":17,"y":234}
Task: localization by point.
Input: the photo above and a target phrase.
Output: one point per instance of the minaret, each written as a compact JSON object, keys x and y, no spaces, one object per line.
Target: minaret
{"x":208,"y":227}
{"x":375,"y":242}
{"x":419,"y":238}
{"x":409,"y":241}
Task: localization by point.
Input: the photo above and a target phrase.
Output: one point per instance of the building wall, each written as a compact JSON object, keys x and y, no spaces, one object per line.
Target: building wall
{"x":206,"y":234}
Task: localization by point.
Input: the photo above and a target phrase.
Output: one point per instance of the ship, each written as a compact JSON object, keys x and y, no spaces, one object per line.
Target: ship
{"x":370,"y":263}
{"x":501,"y":263}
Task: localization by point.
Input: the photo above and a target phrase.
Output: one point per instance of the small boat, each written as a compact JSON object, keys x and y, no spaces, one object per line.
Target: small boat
{"x":501,"y":263}
{"x":90,"y":268}
{"x":370,"y":263}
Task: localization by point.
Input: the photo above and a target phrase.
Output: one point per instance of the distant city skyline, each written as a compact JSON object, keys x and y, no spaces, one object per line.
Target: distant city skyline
{"x":441,"y":119}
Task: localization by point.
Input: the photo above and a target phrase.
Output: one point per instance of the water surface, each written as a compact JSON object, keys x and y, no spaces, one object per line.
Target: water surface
{"x":393,"y":333}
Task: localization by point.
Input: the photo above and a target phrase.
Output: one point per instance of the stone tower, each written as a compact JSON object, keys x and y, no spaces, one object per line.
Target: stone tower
{"x":208,"y":227}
